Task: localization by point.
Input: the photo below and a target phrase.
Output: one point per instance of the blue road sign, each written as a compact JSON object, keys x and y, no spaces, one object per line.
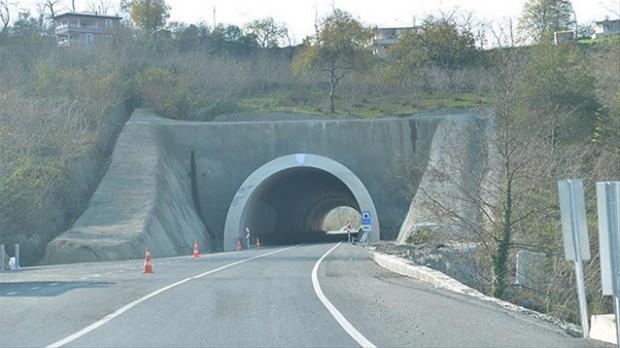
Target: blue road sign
{"x":366,"y":220}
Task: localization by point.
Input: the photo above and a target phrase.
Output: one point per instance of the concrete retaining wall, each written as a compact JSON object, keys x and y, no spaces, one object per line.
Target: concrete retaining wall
{"x":144,"y":200}
{"x":457,"y":164}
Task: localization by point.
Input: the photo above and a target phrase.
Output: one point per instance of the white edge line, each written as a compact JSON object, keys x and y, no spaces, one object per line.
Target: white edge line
{"x":346,"y":325}
{"x":130,"y":305}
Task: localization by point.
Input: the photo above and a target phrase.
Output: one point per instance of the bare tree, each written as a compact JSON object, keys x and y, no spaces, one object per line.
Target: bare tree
{"x":492,"y":200}
{"x":5,"y":14}
{"x":51,"y":6}
{"x":267,"y":32}
{"x":612,"y":6}
{"x":100,"y":6}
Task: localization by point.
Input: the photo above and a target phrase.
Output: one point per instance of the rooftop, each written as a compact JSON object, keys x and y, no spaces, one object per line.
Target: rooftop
{"x":394,"y":28}
{"x":86,"y":14}
{"x":606,"y":20}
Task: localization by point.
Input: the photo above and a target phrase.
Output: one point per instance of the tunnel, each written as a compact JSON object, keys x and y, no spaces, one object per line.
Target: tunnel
{"x":286,"y":201}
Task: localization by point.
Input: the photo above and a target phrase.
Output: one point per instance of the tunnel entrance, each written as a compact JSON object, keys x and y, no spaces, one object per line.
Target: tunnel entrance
{"x":287,"y":200}
{"x":290,"y":206}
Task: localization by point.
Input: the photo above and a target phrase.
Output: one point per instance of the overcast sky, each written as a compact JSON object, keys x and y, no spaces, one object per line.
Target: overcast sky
{"x":299,"y":15}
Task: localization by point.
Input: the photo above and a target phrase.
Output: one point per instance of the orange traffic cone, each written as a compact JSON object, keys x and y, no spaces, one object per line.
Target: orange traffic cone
{"x":238,"y":244}
{"x":196,"y":252}
{"x":257,"y":243}
{"x":148,"y":264}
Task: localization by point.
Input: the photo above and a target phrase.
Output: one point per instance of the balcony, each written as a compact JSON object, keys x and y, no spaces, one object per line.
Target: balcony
{"x":64,"y":29}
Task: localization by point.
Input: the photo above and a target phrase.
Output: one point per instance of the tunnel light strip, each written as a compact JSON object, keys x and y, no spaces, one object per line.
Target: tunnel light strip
{"x":128,"y":306}
{"x":346,"y":325}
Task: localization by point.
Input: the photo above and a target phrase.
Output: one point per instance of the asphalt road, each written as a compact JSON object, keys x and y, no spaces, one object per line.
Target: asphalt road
{"x":262,"y":298}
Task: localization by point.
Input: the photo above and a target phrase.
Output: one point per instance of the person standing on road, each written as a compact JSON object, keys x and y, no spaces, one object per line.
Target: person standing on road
{"x":248,"y":236}
{"x":348,"y":228}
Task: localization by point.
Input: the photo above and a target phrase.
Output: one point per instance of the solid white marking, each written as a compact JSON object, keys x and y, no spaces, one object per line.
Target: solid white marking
{"x":83,"y":278}
{"x":346,"y":325}
{"x":52,"y":284}
{"x":96,"y":275}
{"x":12,"y":293}
{"x":35,"y":288}
{"x":130,"y":305}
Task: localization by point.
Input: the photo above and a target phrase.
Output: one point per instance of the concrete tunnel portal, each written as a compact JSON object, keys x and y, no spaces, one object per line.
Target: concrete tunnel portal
{"x":286,"y":200}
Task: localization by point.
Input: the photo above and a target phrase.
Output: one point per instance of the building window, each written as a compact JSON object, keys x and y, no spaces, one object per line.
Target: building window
{"x":108,"y":23}
{"x":89,"y":38}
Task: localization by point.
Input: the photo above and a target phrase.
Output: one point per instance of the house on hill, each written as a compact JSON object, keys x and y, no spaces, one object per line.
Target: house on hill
{"x":84,"y":29}
{"x":384,"y":38}
{"x":606,"y":28}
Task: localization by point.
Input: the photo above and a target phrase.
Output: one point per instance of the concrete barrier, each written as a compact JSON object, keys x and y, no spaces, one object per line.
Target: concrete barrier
{"x":603,"y":328}
{"x":440,"y":280}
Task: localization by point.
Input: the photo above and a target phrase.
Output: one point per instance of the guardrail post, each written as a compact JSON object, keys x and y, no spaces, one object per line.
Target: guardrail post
{"x":17,"y":266}
{"x":2,"y":256}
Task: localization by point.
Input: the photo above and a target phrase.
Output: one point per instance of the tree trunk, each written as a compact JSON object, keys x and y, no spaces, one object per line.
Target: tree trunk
{"x":332,"y":92}
{"x":500,"y":262}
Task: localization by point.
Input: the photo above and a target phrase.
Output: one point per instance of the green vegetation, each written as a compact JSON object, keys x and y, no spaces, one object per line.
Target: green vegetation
{"x":439,"y":42}
{"x":149,"y":15}
{"x":541,"y":18}
{"x":339,"y":48}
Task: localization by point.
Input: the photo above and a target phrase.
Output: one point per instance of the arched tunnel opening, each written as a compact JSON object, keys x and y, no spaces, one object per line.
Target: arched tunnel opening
{"x":287,"y":201}
{"x":291,"y":206}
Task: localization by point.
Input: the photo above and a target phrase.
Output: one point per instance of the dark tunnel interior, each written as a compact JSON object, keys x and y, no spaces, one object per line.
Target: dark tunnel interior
{"x":290,"y":206}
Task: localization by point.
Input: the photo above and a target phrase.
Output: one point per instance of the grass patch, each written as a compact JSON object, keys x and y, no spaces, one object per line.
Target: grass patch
{"x":317,"y":103}
{"x":597,"y":42}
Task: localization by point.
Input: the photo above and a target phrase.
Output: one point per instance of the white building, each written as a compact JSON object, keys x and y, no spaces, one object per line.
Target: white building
{"x":386,"y":37}
{"x":84,"y":29}
{"x":606,"y":28}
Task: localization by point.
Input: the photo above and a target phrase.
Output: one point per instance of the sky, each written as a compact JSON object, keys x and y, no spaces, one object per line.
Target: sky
{"x":299,"y":15}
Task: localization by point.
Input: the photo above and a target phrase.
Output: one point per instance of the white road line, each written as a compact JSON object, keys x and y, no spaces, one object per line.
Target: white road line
{"x":12,"y":293}
{"x":130,"y":305}
{"x":52,"y":284}
{"x":346,"y":325}
{"x":35,"y":288}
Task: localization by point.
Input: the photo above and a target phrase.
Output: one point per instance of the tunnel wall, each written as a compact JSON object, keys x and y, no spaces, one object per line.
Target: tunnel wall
{"x":145,"y":197}
{"x":388,"y":155}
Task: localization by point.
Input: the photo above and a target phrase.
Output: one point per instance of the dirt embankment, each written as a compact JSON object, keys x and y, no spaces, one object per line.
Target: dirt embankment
{"x":61,"y":207}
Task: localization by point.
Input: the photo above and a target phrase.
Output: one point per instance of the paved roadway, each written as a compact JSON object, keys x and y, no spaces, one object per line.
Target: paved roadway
{"x":260,"y":298}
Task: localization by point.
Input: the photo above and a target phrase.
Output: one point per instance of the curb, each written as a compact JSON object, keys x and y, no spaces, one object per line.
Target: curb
{"x":441,"y":280}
